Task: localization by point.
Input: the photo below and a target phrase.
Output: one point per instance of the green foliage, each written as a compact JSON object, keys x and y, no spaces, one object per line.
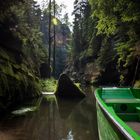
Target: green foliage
{"x":103,"y":10}
{"x":22,"y":21}
{"x":106,"y":56}
{"x":118,"y":20}
{"x":80,"y":29}
{"x":85,"y":54}
{"x":106,"y":25}
{"x":49,"y":85}
{"x":62,"y":38}
{"x":137,"y":84}
{"x":125,"y":52}
{"x":107,"y":33}
{"x":20,"y":57}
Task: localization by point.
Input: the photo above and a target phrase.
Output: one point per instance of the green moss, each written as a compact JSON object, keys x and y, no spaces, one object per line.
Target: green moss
{"x":79,"y":86}
{"x":51,"y":98}
{"x":49,"y":85}
{"x":3,"y":84}
{"x":137,"y":84}
{"x":8,"y":69}
{"x":17,"y":81}
{"x":3,"y":54}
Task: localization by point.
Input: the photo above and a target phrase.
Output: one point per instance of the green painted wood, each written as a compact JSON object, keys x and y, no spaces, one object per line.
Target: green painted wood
{"x":106,"y":131}
{"x":122,"y":105}
{"x":122,"y":100}
{"x":117,"y":93}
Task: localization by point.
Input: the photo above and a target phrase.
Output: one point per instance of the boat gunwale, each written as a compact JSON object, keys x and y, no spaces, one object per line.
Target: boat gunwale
{"x":104,"y":107}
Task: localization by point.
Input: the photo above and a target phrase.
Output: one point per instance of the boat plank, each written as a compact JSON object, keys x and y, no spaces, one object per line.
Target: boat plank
{"x":117,"y":93}
{"x":133,"y":101}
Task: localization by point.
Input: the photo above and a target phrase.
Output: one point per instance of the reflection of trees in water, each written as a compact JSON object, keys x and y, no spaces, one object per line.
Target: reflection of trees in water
{"x":44,"y":124}
{"x":80,"y":117}
{"x":83,"y":120}
{"x":66,"y":107}
{"x":54,"y":120}
{"x":35,"y":126}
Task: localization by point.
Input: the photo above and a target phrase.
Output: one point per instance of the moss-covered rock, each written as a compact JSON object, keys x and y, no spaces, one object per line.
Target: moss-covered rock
{"x":67,"y":89}
{"x":137,"y":84}
{"x":17,"y":81}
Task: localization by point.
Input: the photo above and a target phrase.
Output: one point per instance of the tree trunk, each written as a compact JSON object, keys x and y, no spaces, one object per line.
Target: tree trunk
{"x":54,"y":47}
{"x":49,"y":59}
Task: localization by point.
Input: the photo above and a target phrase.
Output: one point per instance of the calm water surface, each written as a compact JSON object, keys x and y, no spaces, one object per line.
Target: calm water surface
{"x":49,"y":118}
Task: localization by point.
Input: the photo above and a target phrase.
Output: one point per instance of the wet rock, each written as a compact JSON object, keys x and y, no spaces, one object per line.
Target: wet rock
{"x":67,"y":89}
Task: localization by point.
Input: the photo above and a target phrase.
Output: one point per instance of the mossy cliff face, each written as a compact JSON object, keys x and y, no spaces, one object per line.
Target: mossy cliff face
{"x":18,"y":80}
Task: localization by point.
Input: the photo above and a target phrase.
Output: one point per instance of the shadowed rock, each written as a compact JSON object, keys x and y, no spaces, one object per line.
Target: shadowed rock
{"x":45,"y":70}
{"x":67,"y":89}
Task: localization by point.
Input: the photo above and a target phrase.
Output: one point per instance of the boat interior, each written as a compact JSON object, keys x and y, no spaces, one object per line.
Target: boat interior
{"x":125,"y":103}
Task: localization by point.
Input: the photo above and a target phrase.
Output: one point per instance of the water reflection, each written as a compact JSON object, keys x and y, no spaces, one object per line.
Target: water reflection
{"x":53,"y":120}
{"x":67,"y":106}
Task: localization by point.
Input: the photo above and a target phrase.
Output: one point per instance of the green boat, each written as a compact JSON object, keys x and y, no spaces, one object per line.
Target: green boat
{"x":118,"y":113}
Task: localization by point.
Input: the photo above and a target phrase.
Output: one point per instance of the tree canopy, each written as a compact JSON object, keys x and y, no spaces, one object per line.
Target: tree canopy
{"x":107,"y":33}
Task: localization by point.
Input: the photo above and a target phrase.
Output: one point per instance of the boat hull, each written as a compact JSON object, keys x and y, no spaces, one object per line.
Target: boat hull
{"x":116,"y":109}
{"x":106,"y":128}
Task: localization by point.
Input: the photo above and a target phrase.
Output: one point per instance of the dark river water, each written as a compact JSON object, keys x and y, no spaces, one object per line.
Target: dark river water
{"x":49,"y":118}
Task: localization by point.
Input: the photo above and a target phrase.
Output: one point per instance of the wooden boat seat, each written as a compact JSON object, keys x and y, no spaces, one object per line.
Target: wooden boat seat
{"x":109,"y":93}
{"x":119,"y":96}
{"x":120,"y":101}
